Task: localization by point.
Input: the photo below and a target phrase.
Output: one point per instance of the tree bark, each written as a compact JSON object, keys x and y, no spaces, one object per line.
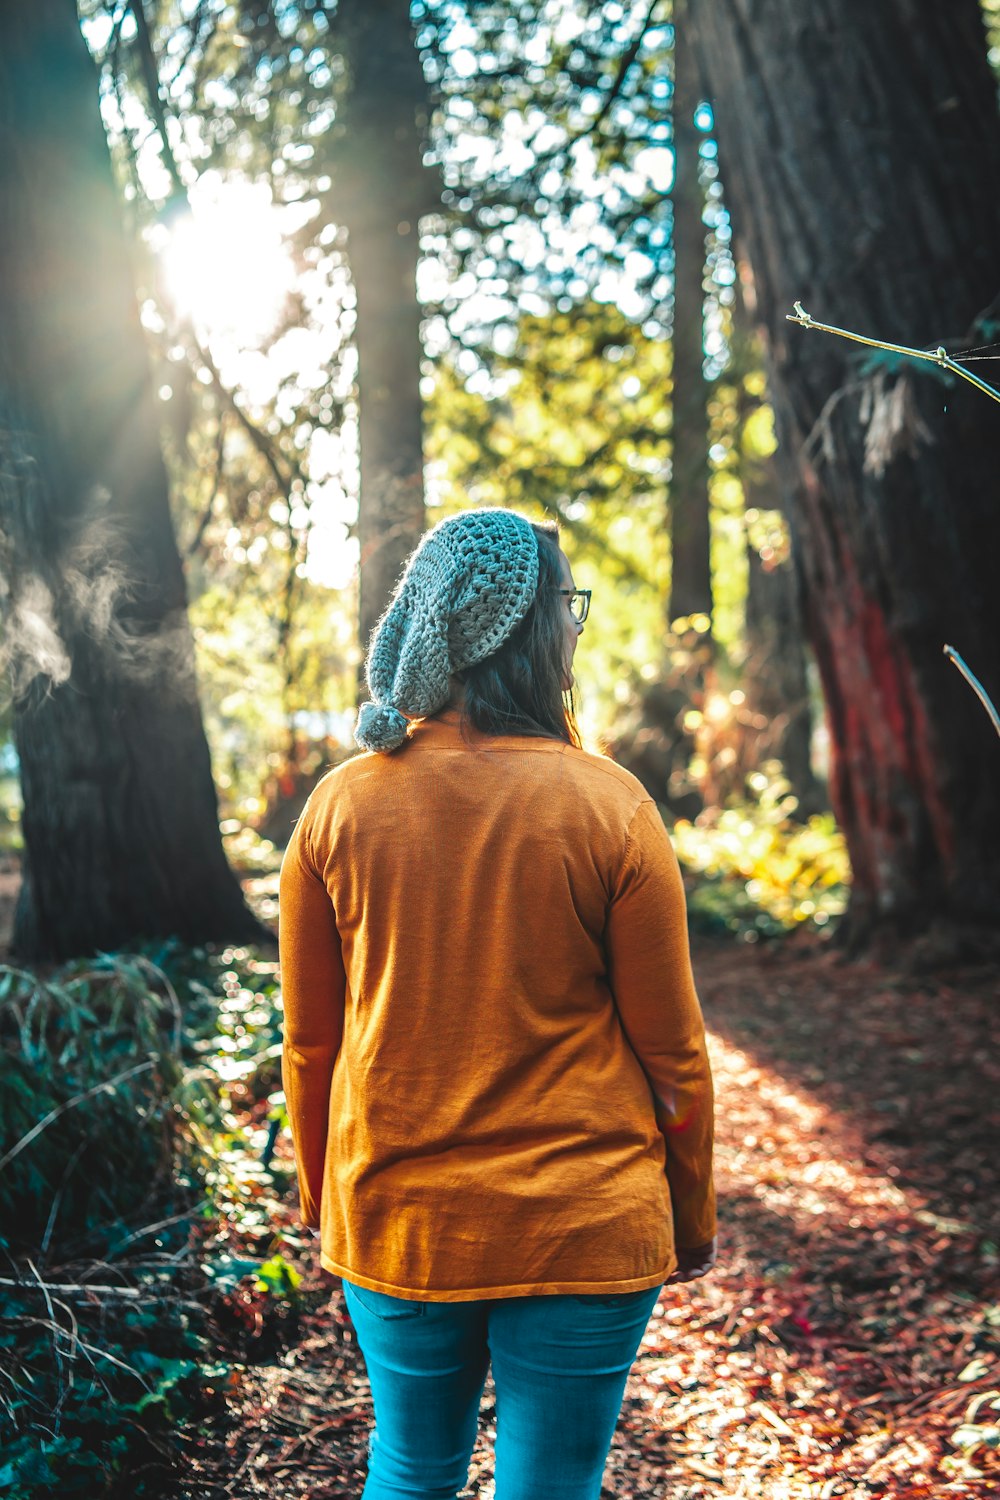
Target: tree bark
{"x":690,"y":529}
{"x":381,"y":189}
{"x":120,"y":815}
{"x":861,"y":144}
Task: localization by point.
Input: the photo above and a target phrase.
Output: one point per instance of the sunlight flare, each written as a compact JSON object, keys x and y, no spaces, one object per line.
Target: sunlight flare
{"x":225,"y":263}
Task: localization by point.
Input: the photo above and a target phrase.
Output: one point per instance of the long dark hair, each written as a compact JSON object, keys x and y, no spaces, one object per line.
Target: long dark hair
{"x":518,"y":690}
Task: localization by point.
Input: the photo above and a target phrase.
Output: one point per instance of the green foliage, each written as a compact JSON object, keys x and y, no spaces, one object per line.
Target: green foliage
{"x":31,"y":1468}
{"x":575,"y":428}
{"x":260,"y":696}
{"x":278,"y":1276}
{"x":757,"y":872}
{"x":116,"y":1189}
{"x":259,"y":92}
{"x":89,"y":1115}
{"x":553,"y":125}
{"x":138,"y":1371}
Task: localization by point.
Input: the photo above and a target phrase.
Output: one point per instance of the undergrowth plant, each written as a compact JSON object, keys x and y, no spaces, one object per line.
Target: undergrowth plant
{"x":122,"y":1170}
{"x":93,"y":1077}
{"x":759,"y":873}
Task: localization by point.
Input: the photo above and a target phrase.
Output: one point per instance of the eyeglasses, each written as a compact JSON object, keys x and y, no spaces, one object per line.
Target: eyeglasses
{"x":579,"y":603}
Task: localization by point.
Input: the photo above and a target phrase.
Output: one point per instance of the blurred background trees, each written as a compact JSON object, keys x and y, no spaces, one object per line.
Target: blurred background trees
{"x":394,"y":259}
{"x":121,"y":832}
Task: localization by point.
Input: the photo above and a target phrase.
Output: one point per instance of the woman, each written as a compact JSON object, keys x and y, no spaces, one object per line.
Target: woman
{"x":494,"y":1057}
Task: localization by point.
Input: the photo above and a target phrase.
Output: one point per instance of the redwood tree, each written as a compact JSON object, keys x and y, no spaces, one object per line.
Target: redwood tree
{"x":120,"y":817}
{"x":861,"y":147}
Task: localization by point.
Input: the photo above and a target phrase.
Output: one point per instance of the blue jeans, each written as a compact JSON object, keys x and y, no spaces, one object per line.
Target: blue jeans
{"x":560,"y":1364}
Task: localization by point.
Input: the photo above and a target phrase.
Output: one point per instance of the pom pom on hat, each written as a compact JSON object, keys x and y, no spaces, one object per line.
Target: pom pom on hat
{"x":380,"y":727}
{"x":467,"y":584}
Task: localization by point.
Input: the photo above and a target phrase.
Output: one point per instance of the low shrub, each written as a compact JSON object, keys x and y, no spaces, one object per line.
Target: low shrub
{"x":121,"y":1169}
{"x":758,"y":873}
{"x":91,"y":1114}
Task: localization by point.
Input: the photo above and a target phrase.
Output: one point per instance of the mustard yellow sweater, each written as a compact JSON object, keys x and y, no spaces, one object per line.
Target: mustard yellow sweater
{"x":494,"y":1057}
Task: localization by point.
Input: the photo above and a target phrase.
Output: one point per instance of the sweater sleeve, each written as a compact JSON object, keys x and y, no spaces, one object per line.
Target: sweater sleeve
{"x":650,"y":971}
{"x":313,"y":986}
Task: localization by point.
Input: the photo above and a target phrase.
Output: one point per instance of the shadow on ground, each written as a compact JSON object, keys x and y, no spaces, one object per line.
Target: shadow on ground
{"x":848,"y":1329}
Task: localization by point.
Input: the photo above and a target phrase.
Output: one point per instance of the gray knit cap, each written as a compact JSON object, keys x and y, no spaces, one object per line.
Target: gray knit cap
{"x":466,"y":585}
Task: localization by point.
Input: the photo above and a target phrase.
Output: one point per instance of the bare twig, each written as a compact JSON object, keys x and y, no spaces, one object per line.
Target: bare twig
{"x":259,"y":439}
{"x":593,"y":127}
{"x":937,"y":356}
{"x":45,"y":1290}
{"x":69,"y":1286}
{"x":151,"y":78}
{"x":624,"y":68}
{"x":217,"y":478}
{"x":101,"y":1289}
{"x":53,"y":1114}
{"x":976,"y":686}
{"x":196,"y":27}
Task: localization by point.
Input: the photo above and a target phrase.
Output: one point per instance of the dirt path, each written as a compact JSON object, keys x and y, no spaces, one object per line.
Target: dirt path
{"x":849,"y":1325}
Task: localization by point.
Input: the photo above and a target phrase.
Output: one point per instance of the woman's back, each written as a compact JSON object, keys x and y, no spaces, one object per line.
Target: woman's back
{"x":499,"y":923}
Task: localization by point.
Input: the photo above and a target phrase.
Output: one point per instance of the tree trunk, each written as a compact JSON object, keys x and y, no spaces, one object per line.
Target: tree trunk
{"x":120,"y":821}
{"x":381,"y":189}
{"x":775,"y":673}
{"x":774,"y":676}
{"x":690,"y":535}
{"x":861,"y":144}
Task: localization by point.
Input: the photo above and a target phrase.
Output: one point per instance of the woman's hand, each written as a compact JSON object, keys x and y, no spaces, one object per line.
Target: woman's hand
{"x":694,"y":1263}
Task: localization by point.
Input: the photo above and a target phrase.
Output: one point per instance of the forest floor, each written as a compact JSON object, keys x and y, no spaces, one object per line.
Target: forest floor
{"x":852,"y":1326}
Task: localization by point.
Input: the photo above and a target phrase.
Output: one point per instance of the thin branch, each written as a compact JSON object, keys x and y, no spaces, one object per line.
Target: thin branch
{"x":151,"y":78}
{"x":46,"y":1293}
{"x":261,"y":442}
{"x":976,"y":686}
{"x":53,"y":1114}
{"x":937,"y":356}
{"x":88,"y":1289}
{"x":220,"y":464}
{"x":298,"y":551}
{"x":195,"y":24}
{"x":624,"y":68}
{"x":128,"y":135}
{"x":45,"y":1287}
{"x":592,"y":127}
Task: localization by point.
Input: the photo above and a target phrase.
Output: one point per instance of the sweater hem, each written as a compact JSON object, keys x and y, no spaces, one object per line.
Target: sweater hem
{"x":492,"y":1293}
